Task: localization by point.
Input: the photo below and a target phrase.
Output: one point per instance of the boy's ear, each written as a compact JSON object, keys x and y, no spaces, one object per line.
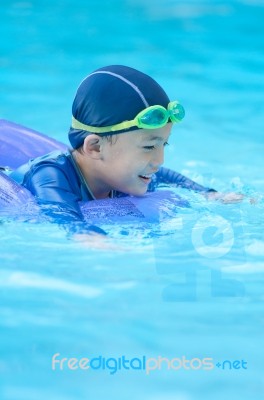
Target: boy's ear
{"x":92,"y":146}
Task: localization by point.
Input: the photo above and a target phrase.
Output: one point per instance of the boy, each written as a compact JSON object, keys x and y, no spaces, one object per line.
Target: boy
{"x":121,"y":122}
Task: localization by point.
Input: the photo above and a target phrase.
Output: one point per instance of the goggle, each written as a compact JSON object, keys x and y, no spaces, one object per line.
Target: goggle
{"x":152,"y":117}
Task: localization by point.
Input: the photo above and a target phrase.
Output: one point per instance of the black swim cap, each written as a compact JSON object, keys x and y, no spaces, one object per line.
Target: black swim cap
{"x":111,"y":95}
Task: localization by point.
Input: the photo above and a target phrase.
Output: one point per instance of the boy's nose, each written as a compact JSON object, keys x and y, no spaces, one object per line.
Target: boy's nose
{"x":158,"y":158}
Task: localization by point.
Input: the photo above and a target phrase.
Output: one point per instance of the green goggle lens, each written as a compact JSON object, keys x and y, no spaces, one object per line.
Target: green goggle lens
{"x":155,"y":117}
{"x":158,"y":116}
{"x":177,"y":112}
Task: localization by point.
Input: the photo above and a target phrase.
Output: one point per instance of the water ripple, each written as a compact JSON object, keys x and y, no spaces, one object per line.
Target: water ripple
{"x":17,"y":279}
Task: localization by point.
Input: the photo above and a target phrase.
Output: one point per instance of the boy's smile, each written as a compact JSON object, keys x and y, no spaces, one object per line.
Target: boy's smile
{"x":127,"y":164}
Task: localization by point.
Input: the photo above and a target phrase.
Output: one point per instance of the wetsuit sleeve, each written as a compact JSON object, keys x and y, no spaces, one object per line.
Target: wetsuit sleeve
{"x":57,"y":200}
{"x":50,"y":186}
{"x":168,"y":176}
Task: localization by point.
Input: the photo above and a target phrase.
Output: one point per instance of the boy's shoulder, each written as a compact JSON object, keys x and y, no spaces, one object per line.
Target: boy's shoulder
{"x":55,"y":157}
{"x":59,"y":161}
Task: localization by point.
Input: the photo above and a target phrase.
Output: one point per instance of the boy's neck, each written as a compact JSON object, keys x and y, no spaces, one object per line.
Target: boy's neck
{"x":90,"y":174}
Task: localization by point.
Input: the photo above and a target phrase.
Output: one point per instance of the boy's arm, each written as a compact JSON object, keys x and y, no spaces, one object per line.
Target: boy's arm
{"x":57,"y":200}
{"x":168,"y":176}
{"x":52,"y":190}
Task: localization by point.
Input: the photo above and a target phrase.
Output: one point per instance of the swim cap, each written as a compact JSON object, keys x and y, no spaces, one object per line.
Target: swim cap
{"x":111,"y":95}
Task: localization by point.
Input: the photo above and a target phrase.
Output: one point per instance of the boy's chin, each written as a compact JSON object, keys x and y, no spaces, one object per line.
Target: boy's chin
{"x":138,"y":192}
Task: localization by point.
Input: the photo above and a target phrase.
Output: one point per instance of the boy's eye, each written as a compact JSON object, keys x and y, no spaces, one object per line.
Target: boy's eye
{"x":153,"y":147}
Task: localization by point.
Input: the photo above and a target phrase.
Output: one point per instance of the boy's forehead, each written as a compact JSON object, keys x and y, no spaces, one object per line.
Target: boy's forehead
{"x":155,"y":137}
{"x":143,"y":135}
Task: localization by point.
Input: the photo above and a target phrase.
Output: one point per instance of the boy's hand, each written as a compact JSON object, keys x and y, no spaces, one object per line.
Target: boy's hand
{"x":93,"y":240}
{"x":96,"y":241}
{"x":226,"y":198}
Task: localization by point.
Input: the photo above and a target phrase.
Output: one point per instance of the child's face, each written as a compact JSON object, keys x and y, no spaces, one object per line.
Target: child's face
{"x":128,"y":164}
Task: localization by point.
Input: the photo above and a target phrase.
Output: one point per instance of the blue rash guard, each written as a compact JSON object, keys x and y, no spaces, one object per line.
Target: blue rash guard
{"x":55,"y":179}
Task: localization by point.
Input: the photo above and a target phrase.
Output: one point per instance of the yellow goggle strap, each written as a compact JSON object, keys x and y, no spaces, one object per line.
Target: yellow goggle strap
{"x":93,"y":129}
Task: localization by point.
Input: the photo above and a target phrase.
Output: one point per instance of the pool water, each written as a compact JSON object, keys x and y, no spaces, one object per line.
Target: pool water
{"x":188,"y":288}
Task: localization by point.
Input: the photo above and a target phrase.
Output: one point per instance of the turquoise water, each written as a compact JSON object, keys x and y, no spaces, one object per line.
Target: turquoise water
{"x":150,"y":291}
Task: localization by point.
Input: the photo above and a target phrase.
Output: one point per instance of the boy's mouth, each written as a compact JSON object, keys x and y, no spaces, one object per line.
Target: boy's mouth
{"x":146,"y":178}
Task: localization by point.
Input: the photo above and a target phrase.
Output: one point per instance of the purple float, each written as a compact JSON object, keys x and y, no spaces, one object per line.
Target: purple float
{"x":18,"y":144}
